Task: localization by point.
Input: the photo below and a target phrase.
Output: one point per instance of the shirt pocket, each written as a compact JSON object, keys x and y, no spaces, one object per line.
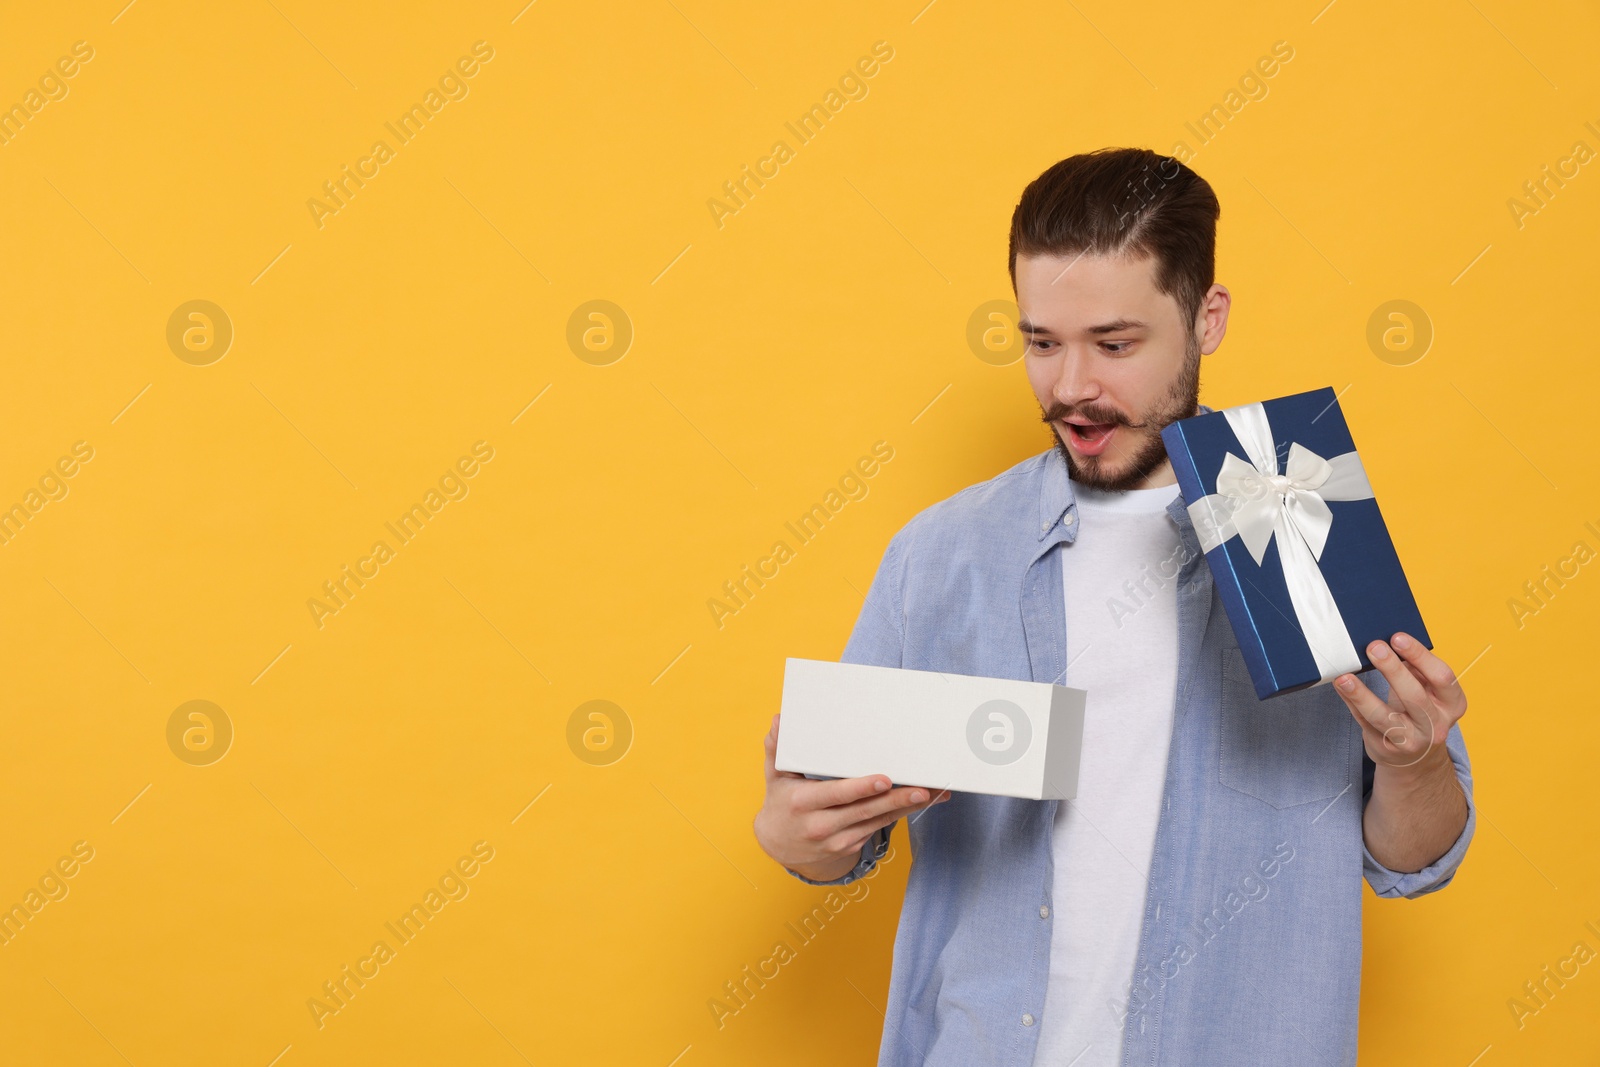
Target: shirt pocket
{"x":1287,"y":750}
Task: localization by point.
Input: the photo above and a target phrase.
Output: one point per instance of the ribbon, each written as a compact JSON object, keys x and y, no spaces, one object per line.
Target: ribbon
{"x":1255,"y":503}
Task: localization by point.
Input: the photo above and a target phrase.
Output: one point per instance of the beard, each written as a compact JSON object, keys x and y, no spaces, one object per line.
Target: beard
{"x":1133,"y":457}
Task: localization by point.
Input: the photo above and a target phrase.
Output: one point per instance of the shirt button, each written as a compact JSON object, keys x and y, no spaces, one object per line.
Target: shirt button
{"x":1069,"y":519}
{"x":1027,"y":1020}
{"x":1044,"y":911}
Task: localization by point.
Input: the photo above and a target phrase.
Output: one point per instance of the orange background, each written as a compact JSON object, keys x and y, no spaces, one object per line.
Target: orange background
{"x":767,"y":354}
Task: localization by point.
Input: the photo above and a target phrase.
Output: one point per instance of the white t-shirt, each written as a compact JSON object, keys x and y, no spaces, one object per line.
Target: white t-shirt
{"x":1120,"y":581}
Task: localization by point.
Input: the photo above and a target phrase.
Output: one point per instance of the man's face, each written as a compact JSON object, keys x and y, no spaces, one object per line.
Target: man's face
{"x":1111,"y":361}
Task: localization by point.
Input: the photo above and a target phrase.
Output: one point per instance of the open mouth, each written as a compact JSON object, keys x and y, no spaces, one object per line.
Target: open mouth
{"x":1091,"y":431}
{"x":1090,"y":438}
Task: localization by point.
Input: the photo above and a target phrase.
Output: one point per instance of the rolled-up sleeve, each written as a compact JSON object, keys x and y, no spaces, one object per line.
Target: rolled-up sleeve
{"x":878,"y":640}
{"x":1438,"y":874}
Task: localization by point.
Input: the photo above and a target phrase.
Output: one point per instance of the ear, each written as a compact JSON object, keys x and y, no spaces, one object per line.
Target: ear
{"x":1212,"y":320}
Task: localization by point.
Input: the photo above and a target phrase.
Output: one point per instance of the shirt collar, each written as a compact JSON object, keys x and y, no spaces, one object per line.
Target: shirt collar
{"x":1059,"y":509}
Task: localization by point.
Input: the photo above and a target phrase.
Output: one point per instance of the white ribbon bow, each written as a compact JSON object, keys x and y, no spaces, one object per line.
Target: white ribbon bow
{"x":1256,"y":503}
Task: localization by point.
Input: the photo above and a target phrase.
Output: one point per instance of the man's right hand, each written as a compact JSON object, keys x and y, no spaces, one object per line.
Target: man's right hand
{"x":817,"y":828}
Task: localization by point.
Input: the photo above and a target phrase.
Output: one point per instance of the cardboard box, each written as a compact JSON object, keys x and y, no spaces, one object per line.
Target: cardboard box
{"x":943,"y":731}
{"x":1296,"y":544}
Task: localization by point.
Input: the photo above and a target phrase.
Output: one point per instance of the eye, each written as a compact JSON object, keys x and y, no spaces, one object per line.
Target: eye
{"x":1038,"y":345}
{"x":1116,"y":348}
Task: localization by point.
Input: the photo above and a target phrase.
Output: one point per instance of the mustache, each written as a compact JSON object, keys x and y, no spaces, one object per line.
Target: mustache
{"x":1093,"y":413}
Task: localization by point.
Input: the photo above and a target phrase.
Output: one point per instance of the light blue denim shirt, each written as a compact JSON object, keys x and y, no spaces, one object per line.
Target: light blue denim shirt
{"x":1250,"y":946}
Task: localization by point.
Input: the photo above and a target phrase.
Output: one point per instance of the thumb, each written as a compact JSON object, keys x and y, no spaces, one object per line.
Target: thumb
{"x":770,"y":742}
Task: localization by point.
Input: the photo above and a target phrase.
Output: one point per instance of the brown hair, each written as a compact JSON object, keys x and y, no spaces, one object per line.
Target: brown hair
{"x":1128,"y":201}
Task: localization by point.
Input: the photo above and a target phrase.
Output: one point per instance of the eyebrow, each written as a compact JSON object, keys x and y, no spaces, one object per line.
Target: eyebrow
{"x":1116,"y":326}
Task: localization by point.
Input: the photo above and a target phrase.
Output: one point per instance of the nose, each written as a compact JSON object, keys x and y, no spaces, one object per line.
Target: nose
{"x":1075,"y":381}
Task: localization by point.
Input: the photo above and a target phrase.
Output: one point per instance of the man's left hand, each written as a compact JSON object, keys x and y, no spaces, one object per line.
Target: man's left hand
{"x":1425,"y":700}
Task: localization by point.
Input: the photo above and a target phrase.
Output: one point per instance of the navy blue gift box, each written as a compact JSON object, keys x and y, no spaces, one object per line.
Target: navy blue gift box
{"x":1297,"y":547}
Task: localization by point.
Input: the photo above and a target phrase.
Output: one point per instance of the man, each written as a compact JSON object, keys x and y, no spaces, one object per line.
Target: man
{"x":1198,"y":902}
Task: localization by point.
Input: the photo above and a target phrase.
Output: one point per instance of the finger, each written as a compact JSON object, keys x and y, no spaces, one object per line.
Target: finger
{"x":771,"y":763}
{"x":938,"y":798}
{"x":1402,"y":683}
{"x":908,"y":798}
{"x":1430,"y":712}
{"x":841,"y":815}
{"x":770,"y":744}
{"x":1381,"y":725}
{"x":856,"y":835}
{"x":1371,"y":737}
{"x":904,"y":800}
{"x":1369,"y":710}
{"x":1436,"y":674}
{"x":815,"y":796}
